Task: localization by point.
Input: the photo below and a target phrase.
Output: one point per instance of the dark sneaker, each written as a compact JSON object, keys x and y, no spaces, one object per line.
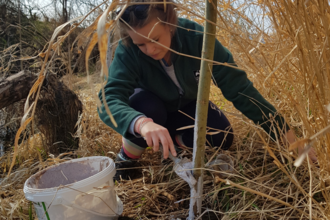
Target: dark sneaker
{"x":179,"y":145}
{"x":121,"y":168}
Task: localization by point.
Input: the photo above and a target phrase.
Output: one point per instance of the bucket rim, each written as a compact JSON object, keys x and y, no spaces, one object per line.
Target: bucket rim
{"x":109,"y":169}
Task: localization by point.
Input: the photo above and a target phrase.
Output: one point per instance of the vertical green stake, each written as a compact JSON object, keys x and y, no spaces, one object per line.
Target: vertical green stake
{"x":45,"y":209}
{"x":30,"y":211}
{"x":202,"y":104}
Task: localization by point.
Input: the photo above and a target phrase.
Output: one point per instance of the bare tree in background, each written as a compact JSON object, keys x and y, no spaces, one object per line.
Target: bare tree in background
{"x":20,"y":34}
{"x":65,"y":16}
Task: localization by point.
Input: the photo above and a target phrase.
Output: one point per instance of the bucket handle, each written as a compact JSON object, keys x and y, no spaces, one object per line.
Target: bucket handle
{"x":89,"y":211}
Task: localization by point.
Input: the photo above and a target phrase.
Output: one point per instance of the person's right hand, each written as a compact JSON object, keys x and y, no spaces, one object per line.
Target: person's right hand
{"x":155,"y":134}
{"x":311,"y":153}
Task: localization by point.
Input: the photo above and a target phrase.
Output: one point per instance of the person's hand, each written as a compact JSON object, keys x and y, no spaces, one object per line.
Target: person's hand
{"x":155,"y":134}
{"x":311,"y":153}
{"x":291,"y":137}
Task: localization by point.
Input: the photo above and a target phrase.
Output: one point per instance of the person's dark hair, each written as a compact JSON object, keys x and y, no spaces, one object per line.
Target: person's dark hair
{"x":154,"y":11}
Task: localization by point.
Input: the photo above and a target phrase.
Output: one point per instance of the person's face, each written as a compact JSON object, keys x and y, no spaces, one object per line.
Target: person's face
{"x":158,"y":32}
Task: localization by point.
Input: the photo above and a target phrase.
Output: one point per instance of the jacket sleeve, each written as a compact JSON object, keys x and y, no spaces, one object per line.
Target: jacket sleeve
{"x":238,"y":89}
{"x":123,"y":79}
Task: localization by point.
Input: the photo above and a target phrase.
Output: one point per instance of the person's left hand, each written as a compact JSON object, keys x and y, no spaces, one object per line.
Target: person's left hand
{"x":291,"y":137}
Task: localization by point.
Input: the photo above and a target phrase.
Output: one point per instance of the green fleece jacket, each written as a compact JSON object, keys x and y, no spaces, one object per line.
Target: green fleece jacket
{"x":132,"y":69}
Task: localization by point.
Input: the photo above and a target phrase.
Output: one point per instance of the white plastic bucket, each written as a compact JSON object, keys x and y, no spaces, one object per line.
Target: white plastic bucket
{"x":80,"y":189}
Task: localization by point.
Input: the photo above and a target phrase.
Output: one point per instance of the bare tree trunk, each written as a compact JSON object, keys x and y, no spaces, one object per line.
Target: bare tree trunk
{"x":202,"y":107}
{"x":65,"y":10}
{"x":3,"y":12}
{"x":55,"y":14}
{"x":20,"y":33}
{"x":15,"y":88}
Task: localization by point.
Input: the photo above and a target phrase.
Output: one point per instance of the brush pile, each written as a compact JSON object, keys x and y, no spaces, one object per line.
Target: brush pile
{"x":284,"y":46}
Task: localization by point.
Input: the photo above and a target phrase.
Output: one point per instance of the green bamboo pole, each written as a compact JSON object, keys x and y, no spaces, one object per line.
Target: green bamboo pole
{"x":202,"y":103}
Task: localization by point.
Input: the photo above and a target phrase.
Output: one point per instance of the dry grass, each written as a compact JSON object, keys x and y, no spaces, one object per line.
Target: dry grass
{"x":289,"y":64}
{"x":154,"y":196}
